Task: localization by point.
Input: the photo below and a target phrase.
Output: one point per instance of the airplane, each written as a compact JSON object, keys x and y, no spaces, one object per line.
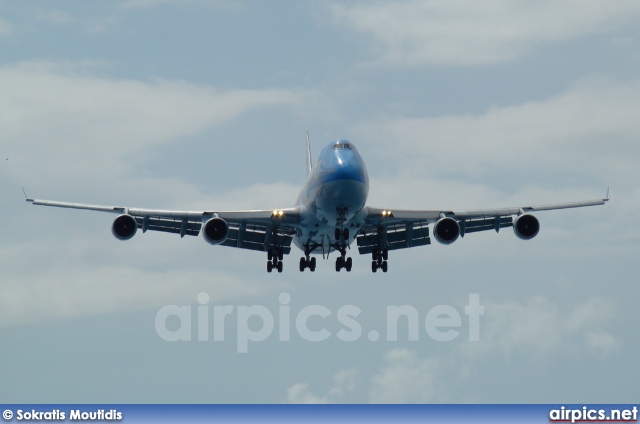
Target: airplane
{"x":330,"y":215}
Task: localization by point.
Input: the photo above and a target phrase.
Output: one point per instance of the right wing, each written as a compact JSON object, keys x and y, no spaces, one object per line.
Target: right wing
{"x":261,"y":230}
{"x":390,"y":229}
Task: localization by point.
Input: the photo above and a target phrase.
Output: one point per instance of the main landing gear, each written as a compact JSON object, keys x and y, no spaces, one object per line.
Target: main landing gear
{"x":274,"y":260}
{"x":379,"y":260}
{"x":343,"y":262}
{"x":307,"y":263}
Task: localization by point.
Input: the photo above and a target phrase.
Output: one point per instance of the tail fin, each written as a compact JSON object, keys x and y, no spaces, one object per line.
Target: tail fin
{"x":309,"y":162}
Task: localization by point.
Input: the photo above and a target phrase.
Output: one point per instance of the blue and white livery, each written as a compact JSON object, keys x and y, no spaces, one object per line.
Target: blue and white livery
{"x":329,"y":216}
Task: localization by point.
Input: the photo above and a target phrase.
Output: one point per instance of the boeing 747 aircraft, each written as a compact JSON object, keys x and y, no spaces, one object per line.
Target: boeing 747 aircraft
{"x":330,"y":214}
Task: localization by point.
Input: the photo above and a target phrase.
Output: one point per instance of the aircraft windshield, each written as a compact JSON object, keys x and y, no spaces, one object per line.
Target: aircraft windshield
{"x":342,"y":146}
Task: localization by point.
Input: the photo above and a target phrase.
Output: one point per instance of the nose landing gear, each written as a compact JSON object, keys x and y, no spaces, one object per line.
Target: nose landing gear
{"x":342,"y":234}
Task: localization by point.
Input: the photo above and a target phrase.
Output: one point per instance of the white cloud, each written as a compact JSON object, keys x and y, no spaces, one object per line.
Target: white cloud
{"x":540,"y":327}
{"x":537,"y":331}
{"x":99,"y":124}
{"x":406,"y":378}
{"x":418,"y":32}
{"x":343,"y":387}
{"x":41,"y":297}
{"x":589,"y":128}
{"x":300,"y":393}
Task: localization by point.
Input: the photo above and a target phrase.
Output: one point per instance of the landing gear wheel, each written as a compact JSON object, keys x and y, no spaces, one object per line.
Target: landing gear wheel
{"x":280,"y":255}
{"x":312,"y":264}
{"x":337,"y":234}
{"x":348,"y":264}
{"x":385,"y":254}
{"x":374,"y":255}
{"x":270,"y":255}
{"x":303,"y":264}
{"x":384,"y":266}
{"x":345,"y":234}
{"x":279,"y":266}
{"x":269,"y":266}
{"x":374,"y":266}
{"x":339,"y":263}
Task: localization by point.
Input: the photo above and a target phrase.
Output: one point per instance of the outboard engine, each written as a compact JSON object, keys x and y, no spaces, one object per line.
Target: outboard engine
{"x":124,"y":227}
{"x":446,"y":230}
{"x":215,"y":231}
{"x":526,"y":226}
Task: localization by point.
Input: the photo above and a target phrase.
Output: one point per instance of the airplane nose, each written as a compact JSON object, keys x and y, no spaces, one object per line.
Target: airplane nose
{"x":348,"y":167}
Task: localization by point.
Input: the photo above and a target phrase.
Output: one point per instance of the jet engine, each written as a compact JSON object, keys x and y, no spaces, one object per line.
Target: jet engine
{"x":124,"y":227}
{"x":215,"y":231}
{"x":446,"y":230}
{"x":526,"y":226}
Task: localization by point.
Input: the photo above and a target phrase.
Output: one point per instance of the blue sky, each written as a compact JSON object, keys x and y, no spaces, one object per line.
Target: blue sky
{"x":204,"y":105}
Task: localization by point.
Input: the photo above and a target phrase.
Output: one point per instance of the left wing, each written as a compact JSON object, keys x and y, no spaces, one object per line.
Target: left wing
{"x":388,"y":229}
{"x":263,"y":230}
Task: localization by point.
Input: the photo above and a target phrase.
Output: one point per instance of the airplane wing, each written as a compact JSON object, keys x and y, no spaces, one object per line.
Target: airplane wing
{"x":389,"y":229}
{"x":261,"y":230}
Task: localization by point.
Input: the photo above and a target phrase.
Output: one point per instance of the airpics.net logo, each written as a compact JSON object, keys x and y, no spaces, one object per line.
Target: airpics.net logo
{"x":258,"y":323}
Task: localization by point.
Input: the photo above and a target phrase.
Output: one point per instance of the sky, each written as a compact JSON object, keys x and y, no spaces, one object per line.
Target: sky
{"x":196,"y":104}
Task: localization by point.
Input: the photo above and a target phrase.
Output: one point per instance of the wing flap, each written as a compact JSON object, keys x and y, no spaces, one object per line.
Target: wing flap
{"x":393,"y":238}
{"x":176,"y":226}
{"x":254,"y":237}
{"x":473,"y":226}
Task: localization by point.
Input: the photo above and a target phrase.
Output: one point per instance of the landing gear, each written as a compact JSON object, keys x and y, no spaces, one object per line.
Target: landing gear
{"x":274,"y":260}
{"x":342,"y":242}
{"x":342,"y":262}
{"x":341,"y":234}
{"x":379,"y":260}
{"x":307,"y":263}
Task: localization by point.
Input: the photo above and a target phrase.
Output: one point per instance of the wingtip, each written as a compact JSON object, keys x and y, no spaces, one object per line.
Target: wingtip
{"x":608,"y":196}
{"x":27,"y":198}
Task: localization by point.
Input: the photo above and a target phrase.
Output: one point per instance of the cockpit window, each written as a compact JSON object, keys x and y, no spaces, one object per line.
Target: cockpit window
{"x":342,"y":146}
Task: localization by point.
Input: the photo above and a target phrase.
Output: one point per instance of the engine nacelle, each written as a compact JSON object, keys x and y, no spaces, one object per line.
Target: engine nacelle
{"x":526,"y":226}
{"x":124,"y":227}
{"x":215,"y":231}
{"x":446,"y":230}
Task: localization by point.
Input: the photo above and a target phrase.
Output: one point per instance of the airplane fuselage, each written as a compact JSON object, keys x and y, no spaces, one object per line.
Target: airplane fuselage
{"x":333,"y":197}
